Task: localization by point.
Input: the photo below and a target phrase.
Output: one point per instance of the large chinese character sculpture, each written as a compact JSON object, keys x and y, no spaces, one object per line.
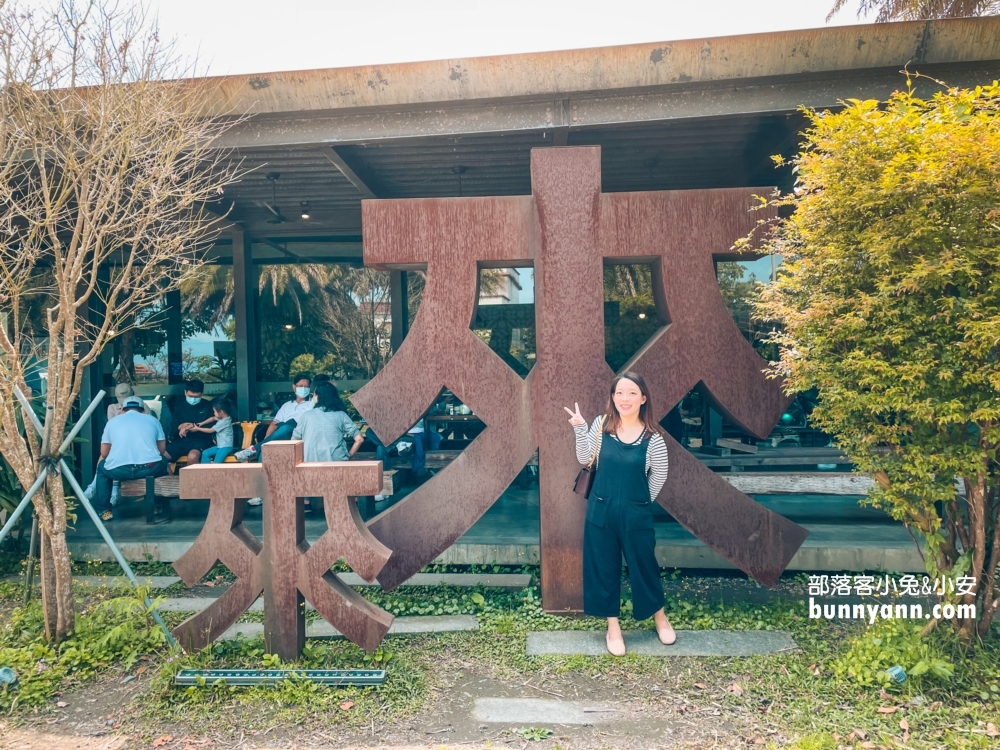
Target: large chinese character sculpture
{"x":567,"y":230}
{"x":283,"y":566}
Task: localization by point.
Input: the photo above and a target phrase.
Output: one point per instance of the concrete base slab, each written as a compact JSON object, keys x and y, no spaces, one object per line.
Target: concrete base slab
{"x":154,"y":582}
{"x":646,"y":643}
{"x":400,"y":626}
{"x":512,"y":581}
{"x":542,"y":712}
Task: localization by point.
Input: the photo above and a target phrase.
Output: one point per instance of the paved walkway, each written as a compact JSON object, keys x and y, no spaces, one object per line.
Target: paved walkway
{"x":646,"y":643}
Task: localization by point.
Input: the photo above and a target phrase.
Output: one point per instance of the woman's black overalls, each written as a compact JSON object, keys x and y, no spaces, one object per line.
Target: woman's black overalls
{"x":620,"y":519}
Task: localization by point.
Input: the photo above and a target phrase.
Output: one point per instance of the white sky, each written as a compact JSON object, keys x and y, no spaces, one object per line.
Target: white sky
{"x":255,"y":36}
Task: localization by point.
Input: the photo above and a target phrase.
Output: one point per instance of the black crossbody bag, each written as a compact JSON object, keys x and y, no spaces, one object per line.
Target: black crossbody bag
{"x":585,"y":479}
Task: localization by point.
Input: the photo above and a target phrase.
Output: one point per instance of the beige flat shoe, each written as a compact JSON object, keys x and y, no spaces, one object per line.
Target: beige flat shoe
{"x":616,"y":646}
{"x":667,"y":635}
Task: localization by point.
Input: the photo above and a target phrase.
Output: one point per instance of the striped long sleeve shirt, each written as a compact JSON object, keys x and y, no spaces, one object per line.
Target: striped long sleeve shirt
{"x":656,"y":454}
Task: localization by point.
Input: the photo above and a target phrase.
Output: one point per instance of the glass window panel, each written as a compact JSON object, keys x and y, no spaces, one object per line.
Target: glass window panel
{"x":323,"y":318}
{"x":208,"y":328}
{"x":505,"y":318}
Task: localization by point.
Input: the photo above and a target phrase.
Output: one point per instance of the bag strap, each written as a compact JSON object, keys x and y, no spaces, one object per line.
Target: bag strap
{"x":597,"y":443}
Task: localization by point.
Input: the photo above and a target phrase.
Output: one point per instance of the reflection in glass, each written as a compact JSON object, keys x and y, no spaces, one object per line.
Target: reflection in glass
{"x":208,"y":328}
{"x":630,"y":317}
{"x":505,"y":316}
{"x":139,"y":353}
{"x":323,"y":318}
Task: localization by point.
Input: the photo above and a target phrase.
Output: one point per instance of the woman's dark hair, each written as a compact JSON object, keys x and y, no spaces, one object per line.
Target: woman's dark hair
{"x":328,"y":399}
{"x":322,"y":378}
{"x":225,"y":406}
{"x":613,"y":420}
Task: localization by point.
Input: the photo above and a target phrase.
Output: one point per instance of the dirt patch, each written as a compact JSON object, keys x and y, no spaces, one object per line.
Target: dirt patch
{"x":647,"y":714}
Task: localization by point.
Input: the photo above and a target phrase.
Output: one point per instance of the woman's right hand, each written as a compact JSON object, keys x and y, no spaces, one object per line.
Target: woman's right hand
{"x":575,"y":417}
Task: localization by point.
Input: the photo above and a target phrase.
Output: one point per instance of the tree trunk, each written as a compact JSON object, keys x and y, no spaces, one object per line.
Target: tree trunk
{"x":65,"y":612}
{"x":47,"y":573}
{"x":56,"y":568}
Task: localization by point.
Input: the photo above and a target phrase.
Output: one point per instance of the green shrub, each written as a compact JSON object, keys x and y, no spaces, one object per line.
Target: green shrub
{"x":115,"y":632}
{"x":886,"y":644}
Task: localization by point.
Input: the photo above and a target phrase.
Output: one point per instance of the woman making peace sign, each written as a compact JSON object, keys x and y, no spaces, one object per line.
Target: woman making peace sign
{"x":631,"y":467}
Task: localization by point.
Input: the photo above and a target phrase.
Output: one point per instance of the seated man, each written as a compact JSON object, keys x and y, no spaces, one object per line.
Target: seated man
{"x":122,"y":392}
{"x":285,"y":420}
{"x":183,"y":440}
{"x":133,"y":446}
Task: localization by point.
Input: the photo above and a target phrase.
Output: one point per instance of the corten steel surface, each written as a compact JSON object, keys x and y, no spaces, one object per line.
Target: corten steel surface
{"x":450,"y":236}
{"x":567,"y":230}
{"x":284,"y":567}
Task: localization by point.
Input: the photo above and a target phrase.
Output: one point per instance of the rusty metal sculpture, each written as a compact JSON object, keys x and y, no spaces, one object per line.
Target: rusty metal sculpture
{"x":284,"y":567}
{"x":567,"y":230}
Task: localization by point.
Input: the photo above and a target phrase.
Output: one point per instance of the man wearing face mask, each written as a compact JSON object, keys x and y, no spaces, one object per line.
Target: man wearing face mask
{"x":181,"y":439}
{"x":286,"y":419}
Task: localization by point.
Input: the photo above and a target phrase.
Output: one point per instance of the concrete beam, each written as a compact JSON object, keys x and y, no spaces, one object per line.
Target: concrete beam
{"x":839,"y":50}
{"x":562,"y":116}
{"x":338,"y":161}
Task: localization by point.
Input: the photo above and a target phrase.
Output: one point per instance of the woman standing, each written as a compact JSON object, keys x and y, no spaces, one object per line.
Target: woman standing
{"x":631,"y":467}
{"x":325,"y":428}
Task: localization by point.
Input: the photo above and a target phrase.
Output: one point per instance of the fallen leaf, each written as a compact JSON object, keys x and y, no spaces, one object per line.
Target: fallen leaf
{"x":811,"y":667}
{"x":783,"y":670}
{"x":735,"y":689}
{"x":905,"y":726}
{"x":868,"y":745}
{"x":141,"y":669}
{"x":887,"y":709}
{"x":210,"y":583}
{"x":346,"y":705}
{"x":162,"y":740}
{"x":991,"y":730}
{"x":62,"y":704}
{"x":884,"y":695}
{"x":758,"y":740}
{"x":701,"y":686}
{"x":861,"y":734}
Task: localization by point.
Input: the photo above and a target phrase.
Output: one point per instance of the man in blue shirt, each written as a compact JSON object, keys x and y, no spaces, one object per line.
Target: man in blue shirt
{"x":133,"y":446}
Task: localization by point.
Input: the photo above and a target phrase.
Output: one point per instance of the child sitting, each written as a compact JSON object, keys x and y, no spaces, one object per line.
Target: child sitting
{"x":223,"y":429}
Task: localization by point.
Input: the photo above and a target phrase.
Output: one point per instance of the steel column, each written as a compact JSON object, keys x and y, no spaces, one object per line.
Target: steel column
{"x":175,"y":354}
{"x":245,"y":301}
{"x":398,"y":308}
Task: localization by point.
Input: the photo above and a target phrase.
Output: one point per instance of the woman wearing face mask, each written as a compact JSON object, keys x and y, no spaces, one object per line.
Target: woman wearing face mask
{"x":326,"y":428}
{"x":631,"y":468}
